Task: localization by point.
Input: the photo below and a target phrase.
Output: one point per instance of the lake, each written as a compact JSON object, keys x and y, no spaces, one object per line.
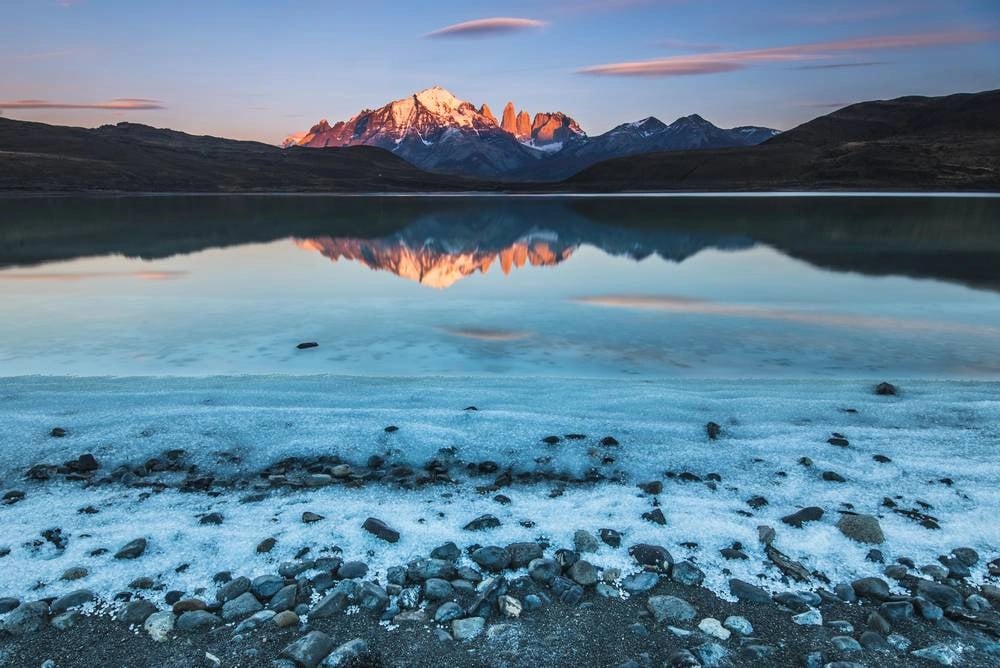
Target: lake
{"x":682,"y":286}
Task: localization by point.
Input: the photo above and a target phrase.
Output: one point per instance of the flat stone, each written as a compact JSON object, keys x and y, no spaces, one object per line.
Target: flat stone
{"x":380,"y":529}
{"x":447,"y":612}
{"x":939,"y":653}
{"x":861,"y":528}
{"x":136,"y":612}
{"x":895,"y":611}
{"x":713,"y":627}
{"x":654,"y":556}
{"x":748,"y":593}
{"x":373,"y":597}
{"x":352,"y":570}
{"x":712,"y":655}
{"x":436,"y":589}
{"x":583,"y":573}
{"x":72,"y":600}
{"x":338,"y":599}
{"x":808,"y":618}
{"x":132,"y":550}
{"x":159,"y":625}
{"x":482,"y":522}
{"x":584,"y":542}
{"x":670,"y":608}
{"x":266,"y":586}
{"x":492,"y":558}
{"x":26,"y":618}
{"x":8,"y":604}
{"x":845,"y":644}
{"x":687,"y":574}
{"x":468,"y":628}
{"x":799,"y":517}
{"x":874,"y":588}
{"x":349,"y":653}
{"x":243,"y":605}
{"x":640,"y":582}
{"x":197,"y":620}
{"x":738,"y":624}
{"x":447,"y":552}
{"x":232,"y":589}
{"x":940,"y":594}
{"x":522,"y":554}
{"x":310,"y":649}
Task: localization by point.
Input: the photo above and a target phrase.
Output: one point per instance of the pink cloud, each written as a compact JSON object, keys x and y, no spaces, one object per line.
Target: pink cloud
{"x":709,"y":63}
{"x":487,"y":27}
{"x":117,"y":104}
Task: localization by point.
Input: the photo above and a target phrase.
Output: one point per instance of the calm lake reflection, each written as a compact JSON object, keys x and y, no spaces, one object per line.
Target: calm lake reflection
{"x":403,"y":286}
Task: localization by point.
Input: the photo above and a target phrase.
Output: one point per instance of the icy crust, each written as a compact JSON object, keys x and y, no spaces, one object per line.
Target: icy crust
{"x":934,"y":430}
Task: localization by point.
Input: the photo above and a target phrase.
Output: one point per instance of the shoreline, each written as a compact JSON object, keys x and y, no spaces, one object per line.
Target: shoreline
{"x":555,"y":194}
{"x":855,"y":540}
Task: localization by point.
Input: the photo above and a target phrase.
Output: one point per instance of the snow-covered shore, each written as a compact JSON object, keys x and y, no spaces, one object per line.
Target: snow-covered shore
{"x":941,"y":439}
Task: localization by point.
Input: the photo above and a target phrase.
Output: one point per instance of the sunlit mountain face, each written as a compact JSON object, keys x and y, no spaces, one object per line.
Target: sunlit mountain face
{"x":437,"y":264}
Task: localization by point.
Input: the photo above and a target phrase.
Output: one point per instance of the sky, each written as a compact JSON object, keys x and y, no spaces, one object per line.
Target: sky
{"x":255,"y":69}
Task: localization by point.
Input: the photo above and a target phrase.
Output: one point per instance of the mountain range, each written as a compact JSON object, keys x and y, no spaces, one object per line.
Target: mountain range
{"x":948,"y":143}
{"x":436,"y":131}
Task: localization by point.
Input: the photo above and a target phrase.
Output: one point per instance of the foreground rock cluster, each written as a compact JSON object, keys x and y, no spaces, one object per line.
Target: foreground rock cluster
{"x":466,"y":594}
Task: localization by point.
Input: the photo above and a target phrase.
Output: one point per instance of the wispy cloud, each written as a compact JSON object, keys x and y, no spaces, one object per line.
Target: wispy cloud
{"x":709,"y":63}
{"x":117,"y":104}
{"x":487,"y":27}
{"x":838,"y":66}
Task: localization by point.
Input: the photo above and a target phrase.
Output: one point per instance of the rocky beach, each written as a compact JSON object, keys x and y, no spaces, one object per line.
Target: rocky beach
{"x":427,"y":522}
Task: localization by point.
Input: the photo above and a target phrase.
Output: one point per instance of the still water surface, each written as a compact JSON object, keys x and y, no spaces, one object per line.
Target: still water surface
{"x":595,"y":287}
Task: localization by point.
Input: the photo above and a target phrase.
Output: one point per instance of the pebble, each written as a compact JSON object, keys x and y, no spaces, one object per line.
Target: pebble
{"x":584,"y":542}
{"x":670,"y":608}
{"x":482,"y":522}
{"x":136,"y":612}
{"x":266,"y":586}
{"x":243,"y":605}
{"x":714,"y":627}
{"x":811,"y":617}
{"x":468,"y":628}
{"x":845,"y":644}
{"x":748,"y":593}
{"x":939,"y":653}
{"x":349,"y":653}
{"x":583,"y":573}
{"x":492,"y":558}
{"x":861,"y":528}
{"x":132,"y":550}
{"x":652,"y":555}
{"x":436,"y":589}
{"x":640,"y":582}
{"x":740,"y":625}
{"x":447,"y":612}
{"x":799,"y":517}
{"x":309,"y":650}
{"x":72,"y":600}
{"x":380,"y":529}
{"x":509,"y":606}
{"x":159,"y":625}
{"x":687,"y":573}
{"x":611,"y":537}
{"x":447,"y":552}
{"x":875,"y":588}
{"x":712,"y":655}
{"x":197,"y":620}
{"x":285,"y":619}
{"x":308,"y":517}
{"x":232,"y":589}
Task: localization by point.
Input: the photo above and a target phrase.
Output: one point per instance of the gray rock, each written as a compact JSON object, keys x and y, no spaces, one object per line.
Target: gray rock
{"x":26,"y":618}
{"x":737,"y":624}
{"x":310,"y":649}
{"x":813,"y":660}
{"x":132,"y":550}
{"x":611,"y":537}
{"x":670,"y":609}
{"x":900,"y":643}
{"x":874,"y":588}
{"x":939,"y":653}
{"x":682,"y":659}
{"x":66,"y":620}
{"x":845,"y":644}
{"x":842,"y":627}
{"x":977,"y":603}
{"x":136,"y":612}
{"x":605,"y":590}
{"x":711,"y":655}
{"x":808,"y":618}
{"x":966,"y":555}
{"x":748,"y":593}
{"x":468,"y":628}
{"x":8,"y":604}
{"x":861,"y":528}
{"x":380,"y":529}
{"x":447,"y":612}
{"x":927,"y":610}
{"x":583,"y":573}
{"x":640,"y":582}
{"x":654,"y":556}
{"x":197,"y":620}
{"x":233,"y":589}
{"x":895,"y":611}
{"x":423,"y":569}
{"x":159,"y":625}
{"x":339,"y":598}
{"x":436,"y":589}
{"x":373,"y":597}
{"x":687,"y":574}
{"x":254,"y":621}
{"x":347,"y":654}
{"x":584,"y":541}
{"x":543,"y":570}
{"x":243,"y":605}
{"x":284,"y":599}
{"x":352,"y":569}
{"x":522,"y":554}
{"x":874,"y":641}
{"x":492,"y":558}
{"x":266,"y":586}
{"x":482,"y":522}
{"x":447,"y":552}
{"x":799,"y":517}
{"x":72,"y":600}
{"x":758,"y":652}
{"x":940,"y":594}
